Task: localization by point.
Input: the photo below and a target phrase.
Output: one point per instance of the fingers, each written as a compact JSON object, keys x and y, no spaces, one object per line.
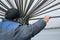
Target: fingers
{"x":46,"y":18}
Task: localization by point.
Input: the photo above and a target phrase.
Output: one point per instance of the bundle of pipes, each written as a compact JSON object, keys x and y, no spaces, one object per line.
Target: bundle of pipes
{"x":29,"y":8}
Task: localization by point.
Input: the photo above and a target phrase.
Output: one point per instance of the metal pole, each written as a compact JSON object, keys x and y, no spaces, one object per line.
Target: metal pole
{"x":44,"y":5}
{"x":31,"y":1}
{"x":10,"y":3}
{"x":1,"y":3}
{"x":16,"y":4}
{"x":48,"y":8}
{"x":45,"y":12}
{"x":2,"y":9}
{"x":42,"y":18}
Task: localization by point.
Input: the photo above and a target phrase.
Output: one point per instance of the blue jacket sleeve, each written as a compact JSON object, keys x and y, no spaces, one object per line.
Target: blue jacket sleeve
{"x":28,"y":31}
{"x":37,"y":27}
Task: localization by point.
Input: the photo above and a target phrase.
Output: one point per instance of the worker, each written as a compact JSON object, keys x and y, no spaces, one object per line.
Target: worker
{"x":11,"y":29}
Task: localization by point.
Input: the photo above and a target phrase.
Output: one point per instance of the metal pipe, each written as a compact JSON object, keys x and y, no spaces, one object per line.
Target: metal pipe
{"x":43,"y":18}
{"x":41,"y":4}
{"x":29,"y":6}
{"x":10,"y":3}
{"x":48,"y":8}
{"x":21,"y":5}
{"x":37,"y":6}
{"x":20,"y":8}
{"x":40,"y":8}
{"x":16,"y":4}
{"x":45,"y":12}
{"x":1,"y":3}
{"x":2,"y":9}
{"x":2,"y":18}
{"x":46,"y":4}
{"x":2,"y":15}
{"x":25,"y":5}
{"x":2,"y":12}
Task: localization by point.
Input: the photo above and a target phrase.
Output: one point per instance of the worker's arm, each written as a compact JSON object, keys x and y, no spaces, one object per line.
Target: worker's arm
{"x":28,"y":31}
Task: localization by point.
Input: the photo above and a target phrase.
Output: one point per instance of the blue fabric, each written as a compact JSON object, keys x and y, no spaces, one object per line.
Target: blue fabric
{"x":7,"y":29}
{"x":9,"y":25}
{"x":0,"y":24}
{"x":23,"y":32}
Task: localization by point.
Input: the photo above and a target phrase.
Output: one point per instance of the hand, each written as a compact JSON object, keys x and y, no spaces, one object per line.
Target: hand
{"x":46,"y":18}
